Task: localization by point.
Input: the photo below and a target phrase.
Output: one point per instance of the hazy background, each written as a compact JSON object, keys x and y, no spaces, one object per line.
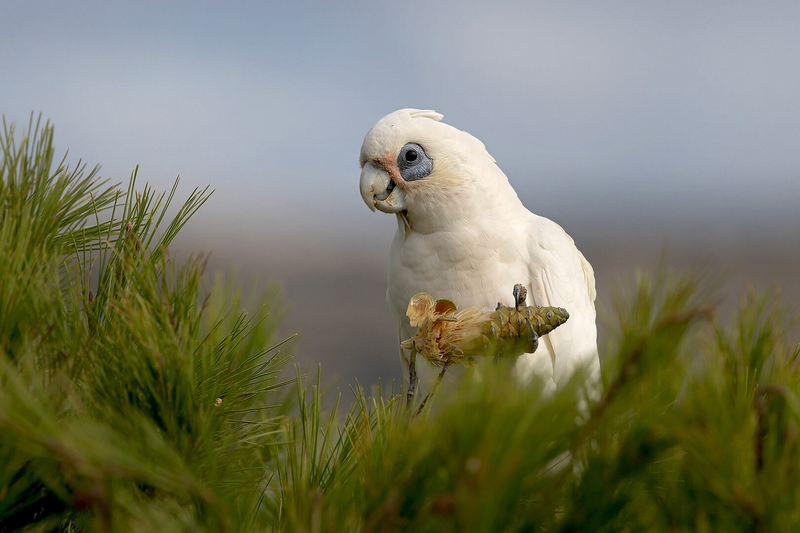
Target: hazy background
{"x":629,"y":123}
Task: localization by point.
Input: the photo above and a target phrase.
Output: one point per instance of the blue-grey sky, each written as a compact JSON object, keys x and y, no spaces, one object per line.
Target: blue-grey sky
{"x":676,"y":119}
{"x":588,"y":107}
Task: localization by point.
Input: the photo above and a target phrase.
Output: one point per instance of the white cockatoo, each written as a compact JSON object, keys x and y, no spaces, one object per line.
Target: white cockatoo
{"x":464,"y":235}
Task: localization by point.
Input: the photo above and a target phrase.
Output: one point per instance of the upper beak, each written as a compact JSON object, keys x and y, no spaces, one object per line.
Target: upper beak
{"x":379,"y":192}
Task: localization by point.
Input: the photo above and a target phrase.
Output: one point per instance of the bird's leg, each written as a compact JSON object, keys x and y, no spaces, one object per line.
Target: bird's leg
{"x":435,"y":386}
{"x":441,"y":375}
{"x":412,"y":377}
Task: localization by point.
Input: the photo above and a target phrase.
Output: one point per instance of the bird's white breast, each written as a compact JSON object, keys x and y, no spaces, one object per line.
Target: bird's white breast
{"x":471,"y":266}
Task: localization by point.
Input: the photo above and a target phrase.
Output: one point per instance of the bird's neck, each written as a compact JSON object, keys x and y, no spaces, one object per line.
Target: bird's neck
{"x":451,"y":213}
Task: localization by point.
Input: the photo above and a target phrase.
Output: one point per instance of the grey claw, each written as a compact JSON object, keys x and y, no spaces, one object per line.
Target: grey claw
{"x":520,"y":294}
{"x":534,"y":335}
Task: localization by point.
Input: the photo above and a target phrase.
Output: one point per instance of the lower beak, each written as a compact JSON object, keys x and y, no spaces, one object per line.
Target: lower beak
{"x":379,"y":191}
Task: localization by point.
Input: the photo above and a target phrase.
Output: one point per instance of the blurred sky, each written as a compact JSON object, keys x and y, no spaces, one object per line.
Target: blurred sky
{"x":606,"y":116}
{"x":582,"y":103}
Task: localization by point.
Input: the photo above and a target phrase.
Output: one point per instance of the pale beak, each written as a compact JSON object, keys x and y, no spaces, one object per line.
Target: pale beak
{"x":379,"y":191}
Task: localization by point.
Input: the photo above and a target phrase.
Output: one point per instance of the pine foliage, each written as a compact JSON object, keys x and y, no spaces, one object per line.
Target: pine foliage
{"x":129,"y":398}
{"x":136,"y":397}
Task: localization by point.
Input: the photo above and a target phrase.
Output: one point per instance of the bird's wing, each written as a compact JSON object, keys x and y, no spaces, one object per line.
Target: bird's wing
{"x":560,"y":276}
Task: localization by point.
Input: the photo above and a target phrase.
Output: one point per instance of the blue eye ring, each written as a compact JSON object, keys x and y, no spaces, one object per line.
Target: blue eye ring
{"x":413,"y":163}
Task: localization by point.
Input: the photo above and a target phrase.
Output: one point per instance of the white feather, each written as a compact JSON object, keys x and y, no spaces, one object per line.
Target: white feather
{"x":465,"y":235}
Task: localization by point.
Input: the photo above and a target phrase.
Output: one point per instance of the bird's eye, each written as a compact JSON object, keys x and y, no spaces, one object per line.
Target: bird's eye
{"x":413,"y":162}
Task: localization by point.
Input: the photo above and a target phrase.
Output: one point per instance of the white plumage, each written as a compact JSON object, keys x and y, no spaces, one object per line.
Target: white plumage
{"x":463,"y":234}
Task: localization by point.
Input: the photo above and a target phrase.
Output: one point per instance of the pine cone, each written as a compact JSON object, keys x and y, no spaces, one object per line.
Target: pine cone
{"x":445,"y":336}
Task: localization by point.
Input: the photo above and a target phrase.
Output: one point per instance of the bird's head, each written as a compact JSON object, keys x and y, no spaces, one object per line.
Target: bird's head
{"x":425,"y":170}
